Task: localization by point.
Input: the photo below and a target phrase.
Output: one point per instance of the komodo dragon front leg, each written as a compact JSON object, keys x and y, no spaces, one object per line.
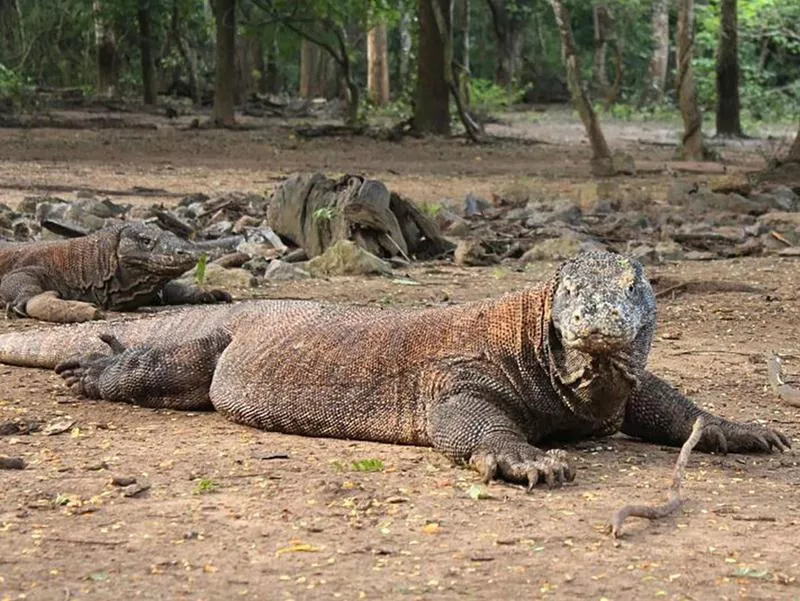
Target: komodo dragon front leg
{"x":657,"y":412}
{"x":176,"y":376}
{"x":25,"y":294}
{"x":483,"y":427}
{"x":181,"y":293}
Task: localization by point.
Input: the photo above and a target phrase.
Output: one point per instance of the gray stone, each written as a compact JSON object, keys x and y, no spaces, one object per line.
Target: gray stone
{"x":471,"y":253}
{"x":281,"y":271}
{"x":256,"y":249}
{"x":553,"y":249}
{"x":347,"y":258}
{"x":217,"y":276}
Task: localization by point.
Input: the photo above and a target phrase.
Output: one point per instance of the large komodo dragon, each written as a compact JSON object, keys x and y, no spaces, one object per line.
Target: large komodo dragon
{"x":122,"y":267}
{"x":482,"y":382}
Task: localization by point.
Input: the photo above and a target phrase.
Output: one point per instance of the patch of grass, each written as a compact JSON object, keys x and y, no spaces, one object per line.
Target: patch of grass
{"x":324,"y":214}
{"x":368,"y":465}
{"x":200,"y":269}
{"x":205,"y":486}
{"x":431,"y":209}
{"x":61,"y":499}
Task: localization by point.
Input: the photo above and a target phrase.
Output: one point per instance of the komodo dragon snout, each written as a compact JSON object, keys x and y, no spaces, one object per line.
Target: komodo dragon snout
{"x":155,"y":250}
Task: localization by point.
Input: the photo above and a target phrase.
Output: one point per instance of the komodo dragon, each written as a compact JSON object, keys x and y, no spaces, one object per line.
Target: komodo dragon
{"x":482,"y":382}
{"x":122,"y":267}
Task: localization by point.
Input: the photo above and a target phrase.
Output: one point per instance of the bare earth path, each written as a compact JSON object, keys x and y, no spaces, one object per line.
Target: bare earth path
{"x":235,"y":513}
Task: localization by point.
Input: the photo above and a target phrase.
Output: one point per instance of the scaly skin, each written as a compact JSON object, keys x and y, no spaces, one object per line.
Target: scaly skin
{"x":484,"y":383}
{"x":121,"y":268}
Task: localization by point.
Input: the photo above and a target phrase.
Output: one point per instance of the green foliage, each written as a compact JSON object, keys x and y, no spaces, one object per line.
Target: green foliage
{"x":324,"y":214}
{"x":488,"y":97}
{"x":205,"y":486}
{"x":368,"y":465}
{"x":13,"y":91}
{"x":200,"y":269}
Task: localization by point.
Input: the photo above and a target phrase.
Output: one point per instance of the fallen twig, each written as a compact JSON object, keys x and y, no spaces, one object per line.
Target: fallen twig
{"x":674,"y":500}
{"x":788,"y":394}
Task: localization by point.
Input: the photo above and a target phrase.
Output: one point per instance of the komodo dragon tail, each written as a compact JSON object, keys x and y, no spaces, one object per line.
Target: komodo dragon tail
{"x":46,"y":347}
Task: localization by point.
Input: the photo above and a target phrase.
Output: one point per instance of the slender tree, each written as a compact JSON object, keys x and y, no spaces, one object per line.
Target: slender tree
{"x":107,"y":56}
{"x":378,"y":65}
{"x":225,"y":72}
{"x":602,"y":161}
{"x":794,"y":151}
{"x":728,"y":122}
{"x":146,"y":51}
{"x":692,"y":142}
{"x":660,"y":58}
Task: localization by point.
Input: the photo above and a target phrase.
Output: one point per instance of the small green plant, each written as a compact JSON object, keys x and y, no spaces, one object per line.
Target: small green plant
{"x":205,"y":486}
{"x":200,"y":269}
{"x":499,"y":273}
{"x":324,"y":214}
{"x":486,"y":96}
{"x":61,"y":499}
{"x":368,"y":465}
{"x":431,"y":209}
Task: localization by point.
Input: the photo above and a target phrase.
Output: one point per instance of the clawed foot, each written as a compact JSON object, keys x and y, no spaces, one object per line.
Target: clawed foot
{"x":82,"y":372}
{"x":523,"y":463}
{"x":724,"y":437}
{"x":213,"y":295}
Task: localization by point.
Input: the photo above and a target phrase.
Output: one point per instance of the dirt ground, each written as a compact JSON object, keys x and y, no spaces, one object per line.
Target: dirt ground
{"x":235,"y":513}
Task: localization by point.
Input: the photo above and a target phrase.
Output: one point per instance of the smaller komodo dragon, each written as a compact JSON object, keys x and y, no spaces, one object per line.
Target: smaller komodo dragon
{"x":121,"y":268}
{"x":482,"y":382}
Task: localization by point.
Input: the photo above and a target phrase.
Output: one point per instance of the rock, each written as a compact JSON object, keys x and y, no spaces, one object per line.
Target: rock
{"x":471,"y":253}
{"x":623,"y":163}
{"x":669,"y":250}
{"x":257,"y":266}
{"x":218,"y":229}
{"x":255,"y":249}
{"x":699,"y":255}
{"x":347,"y":258}
{"x":780,"y":219}
{"x":565,"y":211}
{"x":452,"y":224}
{"x":645,"y":254}
{"x":593,"y":194}
{"x":11,"y":463}
{"x":704,"y":201}
{"x":24,"y":229}
{"x":780,"y":198}
{"x":553,"y":249}
{"x":786,"y":194}
{"x":266,"y":235}
{"x":281,"y":271}
{"x":244,"y":222}
{"x":731,"y":182}
{"x":679,"y":191}
{"x":218,"y":277}
{"x":603,"y":167}
{"x":473,"y":205}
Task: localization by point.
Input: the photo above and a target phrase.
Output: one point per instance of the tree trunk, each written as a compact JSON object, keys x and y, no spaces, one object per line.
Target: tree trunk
{"x":601,"y":16}
{"x":225,"y":72}
{"x":378,"y":65}
{"x":692,"y":141}
{"x":146,"y":50}
{"x":432,"y":107}
{"x":405,"y":49}
{"x":307,"y":55}
{"x":463,"y":25}
{"x":271,"y":79}
{"x":602,"y":162}
{"x":107,"y":57}
{"x":11,"y":38}
{"x":794,"y":151}
{"x":660,"y":58}
{"x":187,"y":54}
{"x":728,"y":123}
{"x":508,"y":27}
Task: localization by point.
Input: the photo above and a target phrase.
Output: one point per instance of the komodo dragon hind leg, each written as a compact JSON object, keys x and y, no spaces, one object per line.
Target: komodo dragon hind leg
{"x":469,"y":427}
{"x":181,"y":293}
{"x":176,"y":376}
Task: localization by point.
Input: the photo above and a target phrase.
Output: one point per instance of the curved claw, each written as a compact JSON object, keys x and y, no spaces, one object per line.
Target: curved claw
{"x":113,"y":343}
{"x":524,"y":463}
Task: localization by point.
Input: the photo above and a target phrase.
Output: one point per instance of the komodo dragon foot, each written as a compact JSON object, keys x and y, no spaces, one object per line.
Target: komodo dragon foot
{"x":523,"y":463}
{"x":82,"y":372}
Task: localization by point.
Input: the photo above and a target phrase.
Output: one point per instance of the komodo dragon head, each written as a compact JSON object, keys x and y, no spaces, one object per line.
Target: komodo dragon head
{"x":148,"y":249}
{"x":603,"y":319}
